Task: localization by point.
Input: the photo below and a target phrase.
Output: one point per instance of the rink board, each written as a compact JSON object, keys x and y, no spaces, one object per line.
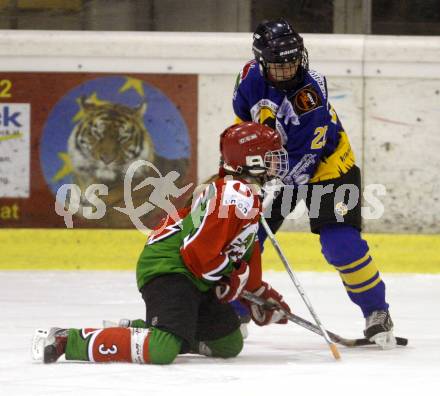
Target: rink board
{"x":49,"y":249}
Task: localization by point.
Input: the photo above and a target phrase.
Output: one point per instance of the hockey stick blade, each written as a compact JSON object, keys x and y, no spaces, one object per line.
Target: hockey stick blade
{"x":315,"y":329}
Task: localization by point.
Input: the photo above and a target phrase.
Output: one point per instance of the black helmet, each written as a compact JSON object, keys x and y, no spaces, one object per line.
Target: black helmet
{"x":277,"y":42}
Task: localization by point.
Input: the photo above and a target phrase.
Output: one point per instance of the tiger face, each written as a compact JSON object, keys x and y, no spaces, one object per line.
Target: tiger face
{"x":107,"y":139}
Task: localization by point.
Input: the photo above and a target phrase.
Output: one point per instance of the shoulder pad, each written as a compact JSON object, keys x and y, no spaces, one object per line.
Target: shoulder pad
{"x":320,"y":79}
{"x":246,"y":71}
{"x":246,"y":77}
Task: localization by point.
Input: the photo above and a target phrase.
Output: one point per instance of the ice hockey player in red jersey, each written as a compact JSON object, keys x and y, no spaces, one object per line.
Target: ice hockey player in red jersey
{"x":190,"y":269}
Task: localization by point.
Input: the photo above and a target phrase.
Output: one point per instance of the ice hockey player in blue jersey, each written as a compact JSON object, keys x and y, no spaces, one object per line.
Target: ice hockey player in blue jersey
{"x":278,"y":89}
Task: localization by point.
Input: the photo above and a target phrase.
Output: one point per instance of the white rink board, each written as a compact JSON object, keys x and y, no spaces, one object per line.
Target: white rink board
{"x":276,"y":360}
{"x":401,"y":150}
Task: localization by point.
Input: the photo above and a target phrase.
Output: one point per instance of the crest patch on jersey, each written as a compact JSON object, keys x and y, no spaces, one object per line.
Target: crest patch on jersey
{"x":238,"y":194}
{"x":242,"y":189}
{"x":242,"y":242}
{"x":305,"y":100}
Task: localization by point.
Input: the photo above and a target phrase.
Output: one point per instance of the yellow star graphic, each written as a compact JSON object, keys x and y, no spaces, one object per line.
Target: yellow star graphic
{"x":133,"y":83}
{"x":93,"y":99}
{"x":66,"y":167}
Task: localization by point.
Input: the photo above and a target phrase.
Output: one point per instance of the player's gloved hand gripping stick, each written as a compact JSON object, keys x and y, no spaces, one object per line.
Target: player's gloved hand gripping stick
{"x":310,"y":326}
{"x":273,"y":312}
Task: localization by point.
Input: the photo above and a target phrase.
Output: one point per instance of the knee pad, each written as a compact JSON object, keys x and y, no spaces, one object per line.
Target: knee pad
{"x":163,"y":347}
{"x":228,"y":346}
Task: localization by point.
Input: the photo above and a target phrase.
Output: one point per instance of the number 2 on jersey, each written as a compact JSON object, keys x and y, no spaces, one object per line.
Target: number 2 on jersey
{"x":320,"y":138}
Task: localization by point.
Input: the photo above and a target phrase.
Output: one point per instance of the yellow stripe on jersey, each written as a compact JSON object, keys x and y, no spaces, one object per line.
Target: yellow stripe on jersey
{"x":360,"y":276}
{"x":365,"y":288}
{"x":340,"y":162}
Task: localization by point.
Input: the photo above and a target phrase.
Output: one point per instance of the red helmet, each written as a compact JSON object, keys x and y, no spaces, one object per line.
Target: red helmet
{"x":255,"y":149}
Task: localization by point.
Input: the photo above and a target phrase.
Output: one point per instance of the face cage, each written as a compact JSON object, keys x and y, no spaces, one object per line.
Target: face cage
{"x":286,"y":85}
{"x":279,"y":72}
{"x":277,"y":163}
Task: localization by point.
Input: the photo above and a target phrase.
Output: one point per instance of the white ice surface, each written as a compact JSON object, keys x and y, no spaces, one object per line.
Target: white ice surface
{"x":276,"y":360}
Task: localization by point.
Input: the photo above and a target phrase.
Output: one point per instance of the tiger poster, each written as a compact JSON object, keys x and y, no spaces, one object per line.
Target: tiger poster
{"x":87,"y":130}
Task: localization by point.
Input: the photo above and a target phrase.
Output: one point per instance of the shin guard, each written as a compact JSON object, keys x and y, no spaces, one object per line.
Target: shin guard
{"x":109,"y":345}
{"x":344,"y":248}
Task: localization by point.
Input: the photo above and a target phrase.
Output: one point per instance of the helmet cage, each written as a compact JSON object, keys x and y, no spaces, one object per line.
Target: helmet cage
{"x":274,"y":165}
{"x":285,"y":85}
{"x":277,"y":163}
{"x":278,"y":72}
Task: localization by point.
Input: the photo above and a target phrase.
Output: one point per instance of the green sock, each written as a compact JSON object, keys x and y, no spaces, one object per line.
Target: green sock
{"x":163,"y":347}
{"x":138,"y":323}
{"x":76,"y":348}
{"x":225,"y":347}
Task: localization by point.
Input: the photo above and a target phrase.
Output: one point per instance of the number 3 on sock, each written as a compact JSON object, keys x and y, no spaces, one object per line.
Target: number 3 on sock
{"x":113,"y":350}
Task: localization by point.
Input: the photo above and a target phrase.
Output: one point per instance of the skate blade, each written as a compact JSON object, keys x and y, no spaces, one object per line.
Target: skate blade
{"x":385,"y":340}
{"x":122,"y":323}
{"x":244,"y":330}
{"x":38,"y":344}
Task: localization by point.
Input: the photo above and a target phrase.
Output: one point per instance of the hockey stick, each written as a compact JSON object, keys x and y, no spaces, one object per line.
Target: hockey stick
{"x":312,"y":327}
{"x":300,"y":289}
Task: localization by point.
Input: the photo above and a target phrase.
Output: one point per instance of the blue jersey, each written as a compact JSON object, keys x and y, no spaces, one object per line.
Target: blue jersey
{"x":312,"y":134}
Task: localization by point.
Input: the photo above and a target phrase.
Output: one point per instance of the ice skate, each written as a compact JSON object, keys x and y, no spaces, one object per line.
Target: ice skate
{"x":379,"y":329}
{"x":49,"y":344}
{"x":122,"y":323}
